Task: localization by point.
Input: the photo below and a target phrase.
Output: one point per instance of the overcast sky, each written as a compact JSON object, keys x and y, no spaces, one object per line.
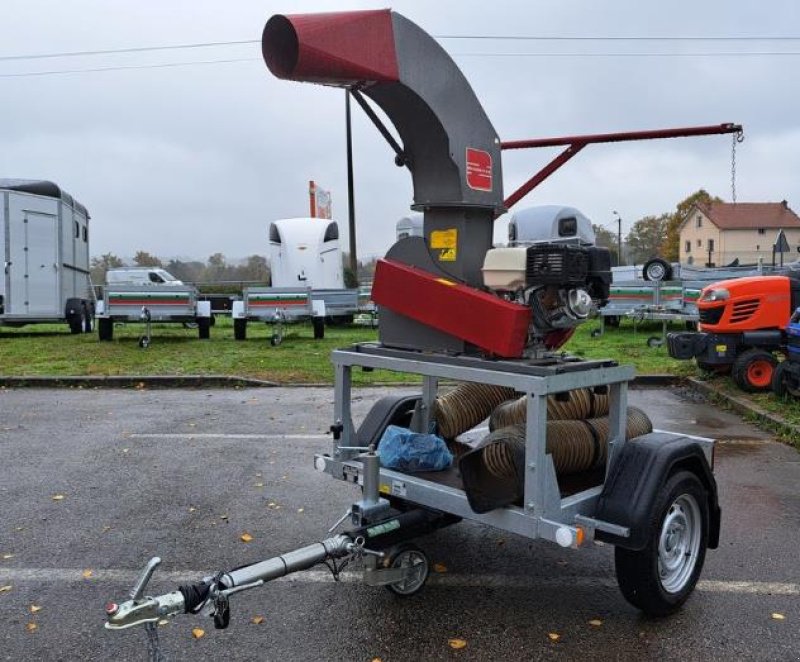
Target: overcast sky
{"x":188,"y":161}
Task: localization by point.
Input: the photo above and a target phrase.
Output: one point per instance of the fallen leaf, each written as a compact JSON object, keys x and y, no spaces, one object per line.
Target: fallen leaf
{"x":271,"y":504}
{"x":257,"y":620}
{"x":553,"y":636}
{"x":301,"y":510}
{"x":376,"y":659}
{"x":439,"y":567}
{"x":106,"y":529}
{"x":245,"y":537}
{"x":457,"y":644}
{"x":192,"y":509}
{"x":501,"y":541}
{"x":5,"y":589}
{"x":284,"y":477}
{"x":31,"y":627}
{"x":259,"y":485}
{"x":8,"y":556}
{"x":87,"y":574}
{"x":35,"y":608}
{"x":223,"y":517}
{"x":19,"y":528}
{"x":191,"y":425}
{"x":198,"y":633}
{"x":596,"y":622}
{"x":163,"y":621}
{"x":258,"y":474}
{"x":778,"y":617}
{"x":125,"y":450}
{"x":58,"y":497}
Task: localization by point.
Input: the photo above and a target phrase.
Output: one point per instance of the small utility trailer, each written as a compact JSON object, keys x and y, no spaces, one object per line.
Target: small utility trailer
{"x":44,"y":244}
{"x":453,"y":307}
{"x":280,"y":305}
{"x":151,"y":303}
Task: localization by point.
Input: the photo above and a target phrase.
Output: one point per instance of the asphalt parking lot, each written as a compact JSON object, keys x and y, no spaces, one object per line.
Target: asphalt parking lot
{"x":182,"y":474}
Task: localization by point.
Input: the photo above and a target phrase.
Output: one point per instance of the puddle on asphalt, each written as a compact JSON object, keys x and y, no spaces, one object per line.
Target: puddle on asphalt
{"x":733,"y":446}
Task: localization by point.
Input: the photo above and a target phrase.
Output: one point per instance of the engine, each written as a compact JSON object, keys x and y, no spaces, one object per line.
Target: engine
{"x":561,"y":277}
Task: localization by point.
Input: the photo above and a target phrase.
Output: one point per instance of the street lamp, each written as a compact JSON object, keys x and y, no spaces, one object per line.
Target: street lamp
{"x":619,"y":237}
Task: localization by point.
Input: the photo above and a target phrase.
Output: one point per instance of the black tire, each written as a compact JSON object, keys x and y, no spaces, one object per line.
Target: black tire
{"x":204,"y":328}
{"x":105,"y":328}
{"x":596,"y":333}
{"x":276,"y":339}
{"x":612,"y":321}
{"x":240,"y":329}
{"x":319,"y":327}
{"x":753,"y":370}
{"x":645,"y":577}
{"x":75,"y":322}
{"x":407,"y":555}
{"x":786,"y":380}
{"x":144,"y":342}
{"x":656,"y":270}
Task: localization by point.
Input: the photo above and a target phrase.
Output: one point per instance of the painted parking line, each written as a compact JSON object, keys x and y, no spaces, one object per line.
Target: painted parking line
{"x":227,"y":435}
{"x":125,"y":577}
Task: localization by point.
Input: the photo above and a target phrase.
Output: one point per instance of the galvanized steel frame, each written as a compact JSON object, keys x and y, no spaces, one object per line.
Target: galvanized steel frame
{"x":544,"y":512}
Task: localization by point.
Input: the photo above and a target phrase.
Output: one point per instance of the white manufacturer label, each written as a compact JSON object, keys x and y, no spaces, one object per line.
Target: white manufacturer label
{"x":398,"y":488}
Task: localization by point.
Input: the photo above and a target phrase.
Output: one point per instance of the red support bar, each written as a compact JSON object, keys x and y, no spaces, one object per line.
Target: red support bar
{"x":683,"y":132}
{"x":577,"y":143}
{"x":543,"y":174}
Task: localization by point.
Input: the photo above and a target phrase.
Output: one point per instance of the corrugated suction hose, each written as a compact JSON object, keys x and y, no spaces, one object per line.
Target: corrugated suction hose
{"x":494,"y":473}
{"x":466,"y":405}
{"x":578,"y":404}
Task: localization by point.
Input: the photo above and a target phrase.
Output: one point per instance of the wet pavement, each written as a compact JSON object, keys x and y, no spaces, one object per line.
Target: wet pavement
{"x":182,"y":474}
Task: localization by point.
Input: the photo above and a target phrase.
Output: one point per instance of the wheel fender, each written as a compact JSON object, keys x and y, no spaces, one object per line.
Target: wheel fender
{"x":636,"y":477}
{"x":389,"y":410}
{"x":72,"y":307}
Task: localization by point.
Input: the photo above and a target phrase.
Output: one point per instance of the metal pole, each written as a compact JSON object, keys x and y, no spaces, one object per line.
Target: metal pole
{"x":351,"y":203}
{"x":619,"y":237}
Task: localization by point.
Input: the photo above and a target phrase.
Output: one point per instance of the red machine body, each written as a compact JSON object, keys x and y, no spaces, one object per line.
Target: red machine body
{"x":484,"y":320}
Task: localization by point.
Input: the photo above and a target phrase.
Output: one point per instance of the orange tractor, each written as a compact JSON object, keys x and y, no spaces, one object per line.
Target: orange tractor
{"x":742,"y":324}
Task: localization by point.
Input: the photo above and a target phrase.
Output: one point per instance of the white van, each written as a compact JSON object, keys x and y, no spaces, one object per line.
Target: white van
{"x":140,"y":276}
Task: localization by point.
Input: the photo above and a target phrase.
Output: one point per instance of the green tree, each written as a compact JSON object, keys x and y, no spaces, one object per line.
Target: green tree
{"x":646,"y":237}
{"x":100,"y":265}
{"x":216,"y":268}
{"x":145,"y":259}
{"x":255,"y":269}
{"x":670,"y":246}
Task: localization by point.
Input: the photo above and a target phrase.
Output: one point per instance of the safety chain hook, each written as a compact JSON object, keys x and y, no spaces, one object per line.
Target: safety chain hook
{"x":735,"y":138}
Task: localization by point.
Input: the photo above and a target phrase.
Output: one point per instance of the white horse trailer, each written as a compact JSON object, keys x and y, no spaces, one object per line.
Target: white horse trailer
{"x":307,"y":280}
{"x":44,"y":241}
{"x":305,"y":252}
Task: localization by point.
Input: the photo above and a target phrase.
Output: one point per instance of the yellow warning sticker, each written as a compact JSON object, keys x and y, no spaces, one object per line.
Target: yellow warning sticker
{"x":445,"y":239}
{"x":721,"y":349}
{"x":383,"y":488}
{"x":447,"y":255}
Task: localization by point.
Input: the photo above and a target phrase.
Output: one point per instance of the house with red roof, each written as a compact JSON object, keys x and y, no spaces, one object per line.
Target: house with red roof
{"x":718,"y":233}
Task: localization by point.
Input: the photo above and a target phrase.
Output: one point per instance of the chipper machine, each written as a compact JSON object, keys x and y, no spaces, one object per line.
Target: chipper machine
{"x":454,"y":308}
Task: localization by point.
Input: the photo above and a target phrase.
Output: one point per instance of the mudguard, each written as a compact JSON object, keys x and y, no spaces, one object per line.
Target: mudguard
{"x":389,"y":410}
{"x":636,"y":477}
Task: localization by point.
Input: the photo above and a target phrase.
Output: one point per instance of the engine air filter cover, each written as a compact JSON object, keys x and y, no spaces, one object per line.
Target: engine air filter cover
{"x":556,"y":264}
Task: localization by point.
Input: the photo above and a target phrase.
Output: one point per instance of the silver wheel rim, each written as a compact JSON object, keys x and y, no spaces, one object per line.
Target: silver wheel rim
{"x":656,"y":271}
{"x":410,"y":558}
{"x":679,"y":543}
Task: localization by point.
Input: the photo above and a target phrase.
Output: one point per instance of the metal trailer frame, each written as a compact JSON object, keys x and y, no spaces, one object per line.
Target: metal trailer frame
{"x":545,"y":514}
{"x":302,"y":303}
{"x":143,"y":305}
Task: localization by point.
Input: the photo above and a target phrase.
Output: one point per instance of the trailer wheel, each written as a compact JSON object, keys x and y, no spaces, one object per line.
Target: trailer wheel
{"x":240,"y":329}
{"x":655,"y":341}
{"x":319,"y":327}
{"x":784,"y":382}
{"x":409,"y":555}
{"x":204,"y":328}
{"x":612,"y":321}
{"x":144,"y":342}
{"x":753,"y":370}
{"x":596,"y":333}
{"x":75,"y":322}
{"x":659,"y":578}
{"x":105,"y":328}
{"x":657,"y":270}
